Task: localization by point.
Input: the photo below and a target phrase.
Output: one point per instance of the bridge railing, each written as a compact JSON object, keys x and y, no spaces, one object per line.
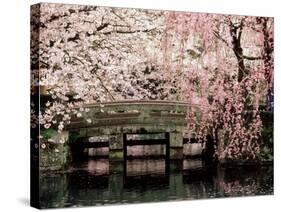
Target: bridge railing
{"x":141,"y":105}
{"x":132,"y":112}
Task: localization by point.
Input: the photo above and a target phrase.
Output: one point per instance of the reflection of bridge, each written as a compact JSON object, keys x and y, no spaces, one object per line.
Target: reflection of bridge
{"x":129,"y":119}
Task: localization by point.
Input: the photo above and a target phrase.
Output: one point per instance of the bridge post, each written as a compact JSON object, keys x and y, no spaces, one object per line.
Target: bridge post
{"x":116,"y":147}
{"x":167,"y":137}
{"x":176,"y":145}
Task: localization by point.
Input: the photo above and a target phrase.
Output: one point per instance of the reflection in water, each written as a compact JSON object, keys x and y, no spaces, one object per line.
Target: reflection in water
{"x":146,"y":175}
{"x":145,"y":167}
{"x":98,"y":167}
{"x":96,"y":182}
{"x":189,"y":164}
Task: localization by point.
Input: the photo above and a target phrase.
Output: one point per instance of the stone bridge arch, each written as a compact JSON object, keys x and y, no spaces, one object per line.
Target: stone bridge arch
{"x":119,"y":119}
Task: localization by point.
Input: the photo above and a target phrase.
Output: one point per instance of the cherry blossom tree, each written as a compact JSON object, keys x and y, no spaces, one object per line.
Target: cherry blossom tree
{"x":93,"y":54}
{"x":226,"y":72}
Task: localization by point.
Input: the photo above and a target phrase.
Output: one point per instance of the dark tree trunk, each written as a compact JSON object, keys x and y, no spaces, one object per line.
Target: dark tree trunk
{"x":267,"y":55}
{"x":209,"y":152}
{"x":236,"y":32}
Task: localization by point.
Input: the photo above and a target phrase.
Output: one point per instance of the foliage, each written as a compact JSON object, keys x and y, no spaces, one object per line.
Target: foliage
{"x":73,"y":136}
{"x":266,"y":152}
{"x":48,"y":133}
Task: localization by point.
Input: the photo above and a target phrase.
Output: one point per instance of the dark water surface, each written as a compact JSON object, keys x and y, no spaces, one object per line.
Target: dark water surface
{"x":98,"y":182}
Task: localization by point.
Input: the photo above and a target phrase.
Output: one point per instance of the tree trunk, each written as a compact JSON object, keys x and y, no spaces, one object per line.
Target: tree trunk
{"x":267,"y":50}
{"x":236,"y":32}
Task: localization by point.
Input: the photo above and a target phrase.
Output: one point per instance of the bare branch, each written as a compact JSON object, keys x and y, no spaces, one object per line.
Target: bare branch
{"x":216,"y":34}
{"x":102,"y":26}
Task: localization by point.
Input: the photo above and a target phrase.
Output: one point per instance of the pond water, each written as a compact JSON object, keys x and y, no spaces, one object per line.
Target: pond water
{"x":100,"y":182}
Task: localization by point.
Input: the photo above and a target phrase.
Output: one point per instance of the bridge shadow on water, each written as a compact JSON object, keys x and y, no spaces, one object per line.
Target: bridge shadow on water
{"x":101,"y":182}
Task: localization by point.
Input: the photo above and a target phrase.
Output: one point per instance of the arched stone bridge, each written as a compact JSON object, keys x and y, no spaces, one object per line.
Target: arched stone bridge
{"x":121,"y":120}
